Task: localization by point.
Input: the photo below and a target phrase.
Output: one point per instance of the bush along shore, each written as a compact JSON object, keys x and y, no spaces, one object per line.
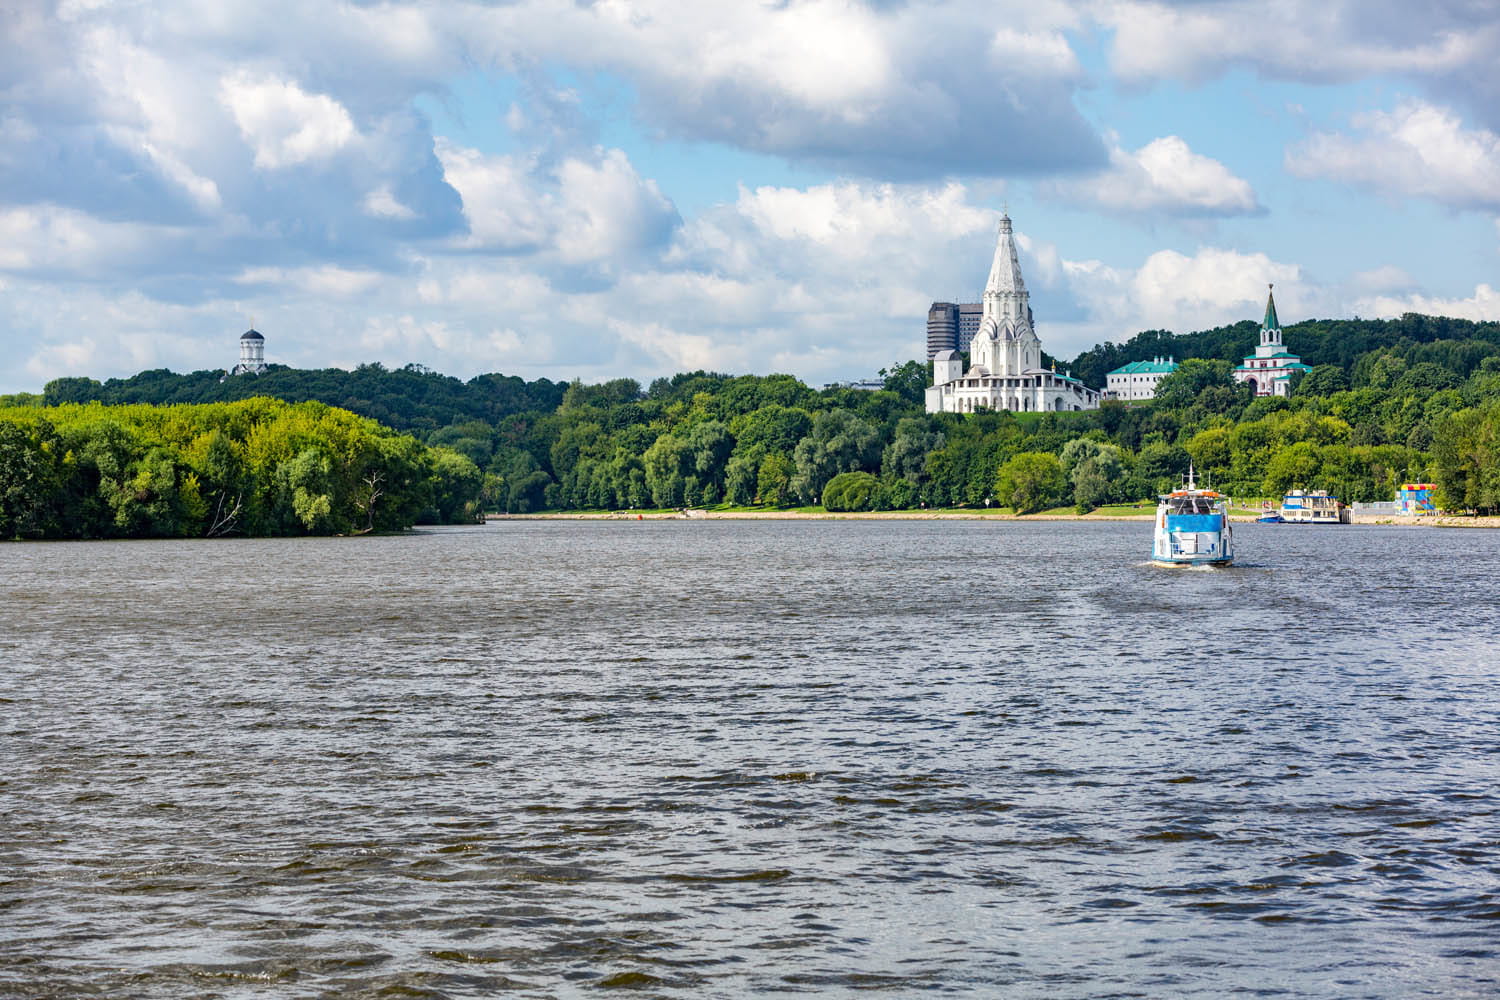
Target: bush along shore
{"x":255,"y":467}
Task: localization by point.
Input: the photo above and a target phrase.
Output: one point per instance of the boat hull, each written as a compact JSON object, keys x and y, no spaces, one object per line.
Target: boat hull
{"x":1187,"y":563}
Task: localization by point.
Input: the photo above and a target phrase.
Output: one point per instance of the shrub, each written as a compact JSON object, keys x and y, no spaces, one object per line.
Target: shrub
{"x":849,"y":491}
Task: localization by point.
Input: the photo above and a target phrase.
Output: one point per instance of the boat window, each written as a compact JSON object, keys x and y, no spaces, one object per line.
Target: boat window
{"x":1191,"y":505}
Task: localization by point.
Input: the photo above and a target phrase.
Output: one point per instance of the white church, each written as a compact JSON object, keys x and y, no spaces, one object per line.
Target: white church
{"x":1270,"y":369}
{"x":1006,"y":370}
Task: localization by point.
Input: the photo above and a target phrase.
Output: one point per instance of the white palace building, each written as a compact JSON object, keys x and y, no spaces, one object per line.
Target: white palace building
{"x":1006,"y":372}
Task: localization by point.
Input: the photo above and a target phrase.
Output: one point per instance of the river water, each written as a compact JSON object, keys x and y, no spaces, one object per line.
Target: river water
{"x":719,"y":759}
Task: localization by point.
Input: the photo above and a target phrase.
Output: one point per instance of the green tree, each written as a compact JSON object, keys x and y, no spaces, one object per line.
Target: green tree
{"x":1096,"y":471}
{"x":774,"y":483}
{"x":1291,"y":467}
{"x":849,"y":491}
{"x":29,"y":486}
{"x":456,"y":486}
{"x":1161,"y":466}
{"x":1323,"y":380}
{"x":839,"y":442}
{"x":909,"y":380}
{"x":1031,"y":481}
{"x":906,"y":456}
{"x":1193,"y":377}
{"x":710,"y":445}
{"x":666,"y":462}
{"x":1466,"y":459}
{"x":772,"y":427}
{"x":741,"y":474}
{"x":1211,"y":451}
{"x":306,"y":483}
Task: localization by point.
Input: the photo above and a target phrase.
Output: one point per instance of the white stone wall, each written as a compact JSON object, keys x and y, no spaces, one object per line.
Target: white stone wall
{"x":1132,"y":387}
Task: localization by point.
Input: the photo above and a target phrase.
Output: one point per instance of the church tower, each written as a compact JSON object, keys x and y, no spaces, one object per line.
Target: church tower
{"x":1006,"y":344}
{"x":1270,"y":369}
{"x":252,"y":354}
{"x":1270,"y":329}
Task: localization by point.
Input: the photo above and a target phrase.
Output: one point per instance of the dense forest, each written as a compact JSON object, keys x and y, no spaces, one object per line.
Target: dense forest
{"x":1414,"y":399}
{"x":255,"y":467}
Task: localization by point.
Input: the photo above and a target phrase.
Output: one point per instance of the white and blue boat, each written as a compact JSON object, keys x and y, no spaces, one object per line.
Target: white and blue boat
{"x":1192,"y":527}
{"x":1312,"y":507}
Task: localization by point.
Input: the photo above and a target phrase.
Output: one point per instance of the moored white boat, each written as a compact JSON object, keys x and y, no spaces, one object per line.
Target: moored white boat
{"x":1312,"y":507}
{"x":1192,"y":527}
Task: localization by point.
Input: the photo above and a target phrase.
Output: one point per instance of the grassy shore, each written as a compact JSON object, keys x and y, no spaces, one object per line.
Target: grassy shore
{"x":1112,"y":512}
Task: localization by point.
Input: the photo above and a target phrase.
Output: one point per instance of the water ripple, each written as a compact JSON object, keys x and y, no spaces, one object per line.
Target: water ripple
{"x":720,"y":759}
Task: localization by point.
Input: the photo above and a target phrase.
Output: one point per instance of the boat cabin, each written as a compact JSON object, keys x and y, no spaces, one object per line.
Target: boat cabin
{"x":1199,"y":504}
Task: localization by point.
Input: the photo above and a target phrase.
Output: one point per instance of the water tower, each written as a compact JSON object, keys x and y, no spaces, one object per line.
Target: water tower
{"x":252,"y":354}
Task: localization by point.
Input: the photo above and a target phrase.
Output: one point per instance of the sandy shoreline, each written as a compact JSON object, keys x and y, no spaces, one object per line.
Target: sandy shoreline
{"x":927,"y":515}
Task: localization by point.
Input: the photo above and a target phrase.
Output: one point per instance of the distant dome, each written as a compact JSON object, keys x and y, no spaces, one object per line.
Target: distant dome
{"x":251,"y":335}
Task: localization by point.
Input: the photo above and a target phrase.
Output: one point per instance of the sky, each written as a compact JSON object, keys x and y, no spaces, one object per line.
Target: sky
{"x":602,"y":188}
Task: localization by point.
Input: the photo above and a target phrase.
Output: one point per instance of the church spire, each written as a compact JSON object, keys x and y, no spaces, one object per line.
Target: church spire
{"x":1005,"y":343}
{"x":1005,"y":272}
{"x":1270,"y":323}
{"x":1270,"y":327}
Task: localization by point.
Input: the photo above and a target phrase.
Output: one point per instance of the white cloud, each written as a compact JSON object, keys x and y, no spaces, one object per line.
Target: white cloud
{"x":485,"y":287}
{"x":203,"y":192}
{"x":609,"y":209}
{"x":586,"y":209}
{"x":852,"y":220}
{"x":503,"y":209}
{"x":382,"y":204}
{"x":410,"y":336}
{"x":284,"y":124}
{"x":1173,"y":291}
{"x":1381,"y":279}
{"x":244,"y":158}
{"x":899,"y":90}
{"x":1042,"y":53}
{"x":97,"y":333}
{"x":1419,"y":149}
{"x":679,"y":351}
{"x":1163,"y":176}
{"x":1483,"y":305}
{"x":1211,"y":283}
{"x":1331,"y":40}
{"x":324,"y":280}
{"x":56,"y":240}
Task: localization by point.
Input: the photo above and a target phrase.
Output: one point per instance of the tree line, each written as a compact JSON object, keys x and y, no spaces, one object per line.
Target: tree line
{"x":411,"y":398}
{"x":1405,"y":409}
{"x":255,"y":467}
{"x":1415,"y":399}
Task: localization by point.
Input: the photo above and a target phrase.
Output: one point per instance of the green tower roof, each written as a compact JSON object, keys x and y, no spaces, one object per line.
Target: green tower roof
{"x":1270,"y":323}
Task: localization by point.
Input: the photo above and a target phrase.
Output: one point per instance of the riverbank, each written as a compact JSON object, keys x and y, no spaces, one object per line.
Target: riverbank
{"x":695,"y":514}
{"x":805,"y":515}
